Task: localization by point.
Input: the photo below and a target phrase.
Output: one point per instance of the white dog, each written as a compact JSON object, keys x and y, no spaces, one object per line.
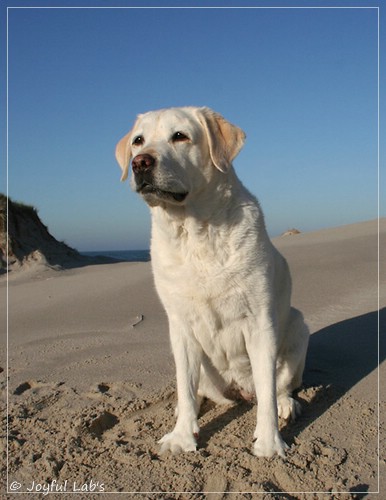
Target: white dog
{"x":225,"y":287}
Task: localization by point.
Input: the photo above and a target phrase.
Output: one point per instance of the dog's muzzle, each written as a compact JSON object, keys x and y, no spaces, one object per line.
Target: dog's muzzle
{"x":143,"y":166}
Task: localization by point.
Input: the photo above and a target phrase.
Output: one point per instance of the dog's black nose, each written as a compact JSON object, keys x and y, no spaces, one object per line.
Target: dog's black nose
{"x":142,"y":163}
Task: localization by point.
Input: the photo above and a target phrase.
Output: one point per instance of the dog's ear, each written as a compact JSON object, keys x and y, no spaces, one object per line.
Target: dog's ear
{"x":225,"y":140}
{"x":123,"y":155}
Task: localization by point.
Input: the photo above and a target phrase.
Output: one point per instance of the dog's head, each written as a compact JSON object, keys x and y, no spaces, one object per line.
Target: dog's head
{"x":176,"y":152}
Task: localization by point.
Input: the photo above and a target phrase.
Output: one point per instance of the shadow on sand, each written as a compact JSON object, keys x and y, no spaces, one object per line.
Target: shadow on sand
{"x":344,"y":353}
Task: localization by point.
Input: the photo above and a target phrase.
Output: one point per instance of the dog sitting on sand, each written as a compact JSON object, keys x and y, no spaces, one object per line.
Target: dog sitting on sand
{"x":224,"y":286}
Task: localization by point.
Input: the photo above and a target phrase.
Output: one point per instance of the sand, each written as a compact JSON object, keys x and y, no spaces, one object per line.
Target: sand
{"x":92,"y":388}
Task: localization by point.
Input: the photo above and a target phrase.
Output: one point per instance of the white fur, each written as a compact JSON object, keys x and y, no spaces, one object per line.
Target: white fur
{"x":224,"y":286}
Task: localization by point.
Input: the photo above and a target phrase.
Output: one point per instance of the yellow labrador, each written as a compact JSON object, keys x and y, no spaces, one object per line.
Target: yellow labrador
{"x":224,"y":286}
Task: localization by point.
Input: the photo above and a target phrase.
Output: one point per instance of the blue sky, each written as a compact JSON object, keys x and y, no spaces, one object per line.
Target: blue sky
{"x":302,"y":83}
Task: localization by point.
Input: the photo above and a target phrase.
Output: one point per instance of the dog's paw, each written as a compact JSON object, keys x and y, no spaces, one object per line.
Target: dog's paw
{"x":288,"y":408}
{"x":268,"y":448}
{"x":177,"y":442}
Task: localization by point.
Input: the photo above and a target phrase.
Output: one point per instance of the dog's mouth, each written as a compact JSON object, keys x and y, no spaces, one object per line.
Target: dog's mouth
{"x":146,"y":189}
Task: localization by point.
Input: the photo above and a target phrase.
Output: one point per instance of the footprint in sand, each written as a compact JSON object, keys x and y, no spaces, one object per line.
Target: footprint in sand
{"x":20,"y":389}
{"x":102,"y":423}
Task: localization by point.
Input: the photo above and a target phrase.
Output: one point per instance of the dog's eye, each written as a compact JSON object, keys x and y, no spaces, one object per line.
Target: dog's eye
{"x":138,"y":140}
{"x":179,"y":137}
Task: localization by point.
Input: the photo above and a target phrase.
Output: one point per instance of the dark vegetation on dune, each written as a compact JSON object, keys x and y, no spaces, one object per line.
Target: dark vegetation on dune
{"x":25,"y":240}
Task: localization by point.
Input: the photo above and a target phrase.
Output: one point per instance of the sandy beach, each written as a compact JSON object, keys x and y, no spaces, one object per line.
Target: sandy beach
{"x":92,"y":385}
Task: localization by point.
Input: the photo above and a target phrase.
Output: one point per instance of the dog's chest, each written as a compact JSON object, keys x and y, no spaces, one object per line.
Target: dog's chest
{"x":210,"y":292}
{"x":197,"y":273}
{"x":208,"y":285}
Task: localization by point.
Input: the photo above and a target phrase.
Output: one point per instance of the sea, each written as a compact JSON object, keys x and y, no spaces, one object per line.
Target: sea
{"x":122,"y":255}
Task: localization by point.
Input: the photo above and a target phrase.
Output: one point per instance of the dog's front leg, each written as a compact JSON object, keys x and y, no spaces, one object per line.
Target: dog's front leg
{"x":187,"y":355}
{"x":262,"y":351}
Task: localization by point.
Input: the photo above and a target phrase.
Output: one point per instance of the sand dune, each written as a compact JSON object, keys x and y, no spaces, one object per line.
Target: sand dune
{"x":91,"y":382}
